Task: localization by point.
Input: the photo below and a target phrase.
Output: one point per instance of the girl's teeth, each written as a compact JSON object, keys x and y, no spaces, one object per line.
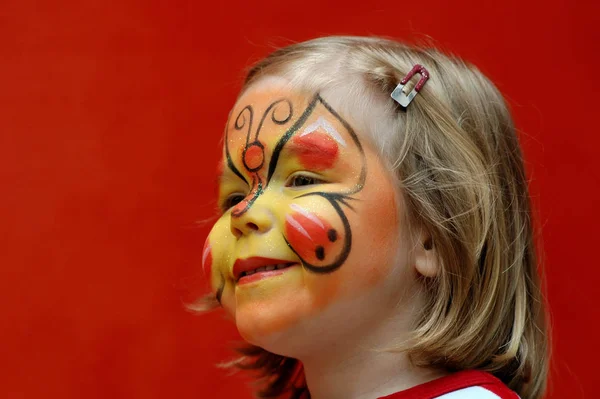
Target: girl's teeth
{"x":265,"y":268}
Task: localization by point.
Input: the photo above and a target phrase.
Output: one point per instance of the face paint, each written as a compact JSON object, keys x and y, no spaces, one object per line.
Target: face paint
{"x":316,"y":151}
{"x":298,"y":174}
{"x":254,"y":156}
{"x":311,"y":237}
{"x":246,"y":203}
{"x":207,"y":258}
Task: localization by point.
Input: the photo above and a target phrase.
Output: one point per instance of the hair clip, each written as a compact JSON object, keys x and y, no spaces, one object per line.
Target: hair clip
{"x":398,"y":94}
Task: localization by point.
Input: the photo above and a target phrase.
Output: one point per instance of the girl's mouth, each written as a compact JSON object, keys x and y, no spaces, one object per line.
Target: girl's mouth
{"x":256,"y":268}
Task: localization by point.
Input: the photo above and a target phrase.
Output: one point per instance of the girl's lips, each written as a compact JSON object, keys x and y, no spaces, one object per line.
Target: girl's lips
{"x":261,"y":275}
{"x":245,"y":270}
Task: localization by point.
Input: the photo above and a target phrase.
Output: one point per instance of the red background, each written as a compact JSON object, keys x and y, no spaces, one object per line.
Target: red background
{"x":110,"y":118}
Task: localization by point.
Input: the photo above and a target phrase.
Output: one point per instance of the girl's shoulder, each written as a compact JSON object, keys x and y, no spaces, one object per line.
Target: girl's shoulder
{"x":468,"y":384}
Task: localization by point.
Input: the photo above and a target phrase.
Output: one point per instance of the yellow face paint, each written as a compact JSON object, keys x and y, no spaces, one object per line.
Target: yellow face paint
{"x":309,"y":216}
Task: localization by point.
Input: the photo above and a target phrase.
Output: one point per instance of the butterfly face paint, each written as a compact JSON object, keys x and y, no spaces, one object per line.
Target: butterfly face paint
{"x":309,"y":212}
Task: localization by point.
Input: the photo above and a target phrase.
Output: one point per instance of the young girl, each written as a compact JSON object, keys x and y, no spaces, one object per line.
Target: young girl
{"x":375,"y":245}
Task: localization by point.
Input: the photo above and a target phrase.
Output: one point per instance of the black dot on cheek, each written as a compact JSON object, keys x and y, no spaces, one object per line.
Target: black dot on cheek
{"x":320,"y":252}
{"x":332,"y":235}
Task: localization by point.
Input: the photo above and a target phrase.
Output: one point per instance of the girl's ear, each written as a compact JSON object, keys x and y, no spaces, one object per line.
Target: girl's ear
{"x":425,"y":255}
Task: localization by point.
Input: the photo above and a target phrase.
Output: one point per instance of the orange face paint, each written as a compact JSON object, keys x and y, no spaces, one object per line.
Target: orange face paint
{"x":316,"y":151}
{"x":254,"y":156}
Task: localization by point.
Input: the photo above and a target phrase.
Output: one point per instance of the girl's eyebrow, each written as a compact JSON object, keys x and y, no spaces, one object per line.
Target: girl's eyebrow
{"x":228,"y":176}
{"x":312,"y":144}
{"x":315,"y":149}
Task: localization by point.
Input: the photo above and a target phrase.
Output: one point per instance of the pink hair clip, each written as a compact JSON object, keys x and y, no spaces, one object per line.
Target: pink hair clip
{"x":398,"y":94}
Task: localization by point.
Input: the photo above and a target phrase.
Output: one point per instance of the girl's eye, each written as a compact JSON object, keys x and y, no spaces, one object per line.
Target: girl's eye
{"x":303,"y":180}
{"x":232,"y":201}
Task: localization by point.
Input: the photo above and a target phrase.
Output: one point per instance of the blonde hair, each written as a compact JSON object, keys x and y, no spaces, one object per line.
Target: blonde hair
{"x":459,"y":166}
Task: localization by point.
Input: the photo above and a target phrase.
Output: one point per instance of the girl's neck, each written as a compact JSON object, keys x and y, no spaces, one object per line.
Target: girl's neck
{"x":365,"y":376}
{"x":359,"y":371}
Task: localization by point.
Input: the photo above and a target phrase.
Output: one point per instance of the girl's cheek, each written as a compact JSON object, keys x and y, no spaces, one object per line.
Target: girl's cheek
{"x":215,"y":255}
{"x":207,"y":258}
{"x":216,"y":258}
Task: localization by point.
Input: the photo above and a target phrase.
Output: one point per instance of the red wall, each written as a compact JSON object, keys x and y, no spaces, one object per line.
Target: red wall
{"x":110,"y":118}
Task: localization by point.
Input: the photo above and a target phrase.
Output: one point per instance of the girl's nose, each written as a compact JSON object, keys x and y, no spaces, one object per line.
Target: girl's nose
{"x":256,"y":220}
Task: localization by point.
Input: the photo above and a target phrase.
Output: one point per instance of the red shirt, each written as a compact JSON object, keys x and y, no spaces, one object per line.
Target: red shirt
{"x":468,"y":384}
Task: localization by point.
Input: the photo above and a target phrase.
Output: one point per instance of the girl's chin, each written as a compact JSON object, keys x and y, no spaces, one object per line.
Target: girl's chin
{"x":274,"y":331}
{"x":278,"y":343}
{"x":260,"y":328}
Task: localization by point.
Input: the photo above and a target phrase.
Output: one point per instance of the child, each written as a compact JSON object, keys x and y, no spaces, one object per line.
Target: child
{"x":372,"y":245}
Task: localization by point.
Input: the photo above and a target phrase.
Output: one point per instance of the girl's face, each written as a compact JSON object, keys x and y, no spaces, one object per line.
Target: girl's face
{"x":310,"y":216}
